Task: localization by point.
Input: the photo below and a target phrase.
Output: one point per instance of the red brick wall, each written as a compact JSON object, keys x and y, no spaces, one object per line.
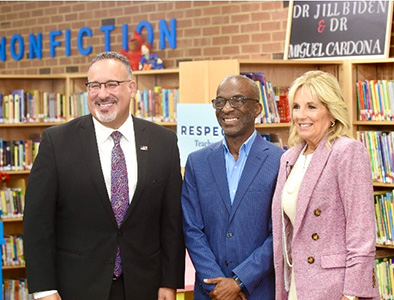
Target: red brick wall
{"x":205,"y":30}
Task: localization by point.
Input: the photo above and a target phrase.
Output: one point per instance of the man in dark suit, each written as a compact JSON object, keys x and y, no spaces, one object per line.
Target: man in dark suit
{"x":226,"y":201}
{"x":73,"y":237}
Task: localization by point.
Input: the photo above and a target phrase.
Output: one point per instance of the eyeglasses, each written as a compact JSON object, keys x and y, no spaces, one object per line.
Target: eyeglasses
{"x":110,"y":85}
{"x":235,"y":102}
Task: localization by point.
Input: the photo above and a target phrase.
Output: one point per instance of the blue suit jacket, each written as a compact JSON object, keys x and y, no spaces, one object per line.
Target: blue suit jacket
{"x":224,"y":239}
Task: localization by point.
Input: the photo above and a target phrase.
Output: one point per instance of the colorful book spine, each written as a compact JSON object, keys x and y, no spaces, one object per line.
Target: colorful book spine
{"x":380,"y":147}
{"x":385,"y":274}
{"x":375,"y":100}
{"x":17,"y":155}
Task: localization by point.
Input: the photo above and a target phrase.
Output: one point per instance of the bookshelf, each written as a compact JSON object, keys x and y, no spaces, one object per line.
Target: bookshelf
{"x":361,"y":70}
{"x":364,"y":71}
{"x":24,"y":131}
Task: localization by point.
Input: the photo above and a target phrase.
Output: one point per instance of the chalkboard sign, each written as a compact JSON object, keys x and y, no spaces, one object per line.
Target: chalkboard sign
{"x":338,"y":29}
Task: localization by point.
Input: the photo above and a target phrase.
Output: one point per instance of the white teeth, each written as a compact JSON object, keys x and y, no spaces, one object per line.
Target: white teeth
{"x":105,"y":105}
{"x":230,"y":120}
{"x":305,"y":125}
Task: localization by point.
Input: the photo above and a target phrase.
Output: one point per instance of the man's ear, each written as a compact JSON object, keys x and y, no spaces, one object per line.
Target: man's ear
{"x":133,"y":88}
{"x":258,"y":109}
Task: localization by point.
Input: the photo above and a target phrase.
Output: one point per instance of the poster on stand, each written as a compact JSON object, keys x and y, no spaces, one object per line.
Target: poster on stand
{"x":197,"y":127}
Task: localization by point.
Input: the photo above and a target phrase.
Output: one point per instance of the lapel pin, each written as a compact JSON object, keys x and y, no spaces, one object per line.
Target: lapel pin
{"x":144,"y":148}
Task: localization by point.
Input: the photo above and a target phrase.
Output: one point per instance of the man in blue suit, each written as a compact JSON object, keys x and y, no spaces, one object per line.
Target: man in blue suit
{"x":226,"y":201}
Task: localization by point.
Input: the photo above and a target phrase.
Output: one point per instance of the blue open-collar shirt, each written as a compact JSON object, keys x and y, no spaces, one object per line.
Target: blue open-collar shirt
{"x":234,"y":168}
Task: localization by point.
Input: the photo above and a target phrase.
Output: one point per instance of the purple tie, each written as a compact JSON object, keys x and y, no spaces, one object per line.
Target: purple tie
{"x":119,"y":190}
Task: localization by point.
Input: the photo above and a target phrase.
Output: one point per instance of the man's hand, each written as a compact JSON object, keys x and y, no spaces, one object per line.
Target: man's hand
{"x":166,"y":294}
{"x":226,"y":289}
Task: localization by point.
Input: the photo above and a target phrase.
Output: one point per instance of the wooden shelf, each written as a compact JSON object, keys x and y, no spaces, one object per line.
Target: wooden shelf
{"x":272,"y":125}
{"x":385,"y":246}
{"x":166,"y":124}
{"x":381,"y":184}
{"x":30,"y":124}
{"x":17,"y":219}
{"x":374,"y":123}
{"x":13,"y":267}
{"x":156,"y":72}
{"x":21,"y":172}
{"x":384,"y":251}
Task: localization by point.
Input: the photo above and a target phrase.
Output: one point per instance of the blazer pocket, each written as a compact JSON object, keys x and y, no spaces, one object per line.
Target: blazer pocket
{"x":333,"y":261}
{"x":157,"y":182}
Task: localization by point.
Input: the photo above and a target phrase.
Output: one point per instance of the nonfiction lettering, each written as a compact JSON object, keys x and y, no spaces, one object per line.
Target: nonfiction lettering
{"x":338,"y":29}
{"x":57,"y":38}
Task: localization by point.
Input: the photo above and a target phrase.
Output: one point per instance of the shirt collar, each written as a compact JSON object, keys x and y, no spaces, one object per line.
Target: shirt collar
{"x":246,"y":146}
{"x":103,"y":132}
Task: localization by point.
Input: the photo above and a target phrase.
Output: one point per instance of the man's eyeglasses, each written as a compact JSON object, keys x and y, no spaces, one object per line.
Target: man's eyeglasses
{"x":235,"y":102}
{"x":111,"y":85}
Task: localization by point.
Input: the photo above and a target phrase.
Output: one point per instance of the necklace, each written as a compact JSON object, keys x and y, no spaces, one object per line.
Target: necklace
{"x":307,"y":159}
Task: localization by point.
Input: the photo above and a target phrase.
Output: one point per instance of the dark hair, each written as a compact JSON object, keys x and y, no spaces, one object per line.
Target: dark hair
{"x":116,"y":56}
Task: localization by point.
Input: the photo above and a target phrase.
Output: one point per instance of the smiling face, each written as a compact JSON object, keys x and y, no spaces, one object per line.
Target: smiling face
{"x":111,"y":108}
{"x":237,"y":122}
{"x":310,"y":117}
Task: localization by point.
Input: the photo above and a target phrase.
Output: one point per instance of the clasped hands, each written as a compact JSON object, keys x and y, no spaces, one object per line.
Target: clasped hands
{"x":225,"y":289}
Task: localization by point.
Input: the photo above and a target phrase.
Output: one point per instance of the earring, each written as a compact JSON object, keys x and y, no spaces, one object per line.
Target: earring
{"x":333,"y":124}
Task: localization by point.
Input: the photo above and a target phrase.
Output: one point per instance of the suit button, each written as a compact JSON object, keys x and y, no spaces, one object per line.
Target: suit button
{"x":317,"y":212}
{"x":226,"y":262}
{"x":315,"y":236}
{"x":120,"y":232}
{"x":311,"y":260}
{"x":229,"y":234}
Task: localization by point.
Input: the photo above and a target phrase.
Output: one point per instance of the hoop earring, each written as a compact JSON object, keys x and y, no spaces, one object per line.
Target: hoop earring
{"x":332,"y":124}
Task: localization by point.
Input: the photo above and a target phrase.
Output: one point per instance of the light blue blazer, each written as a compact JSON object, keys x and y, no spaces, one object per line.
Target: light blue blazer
{"x":223,"y":240}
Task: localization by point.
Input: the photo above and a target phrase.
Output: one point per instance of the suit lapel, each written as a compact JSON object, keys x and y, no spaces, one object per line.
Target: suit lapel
{"x":218,"y":168}
{"x":142,"y":148}
{"x":87,"y":138}
{"x":316,"y":167}
{"x":254,"y":162}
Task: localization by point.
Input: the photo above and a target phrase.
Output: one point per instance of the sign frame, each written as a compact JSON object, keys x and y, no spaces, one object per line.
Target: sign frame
{"x":316,"y":53}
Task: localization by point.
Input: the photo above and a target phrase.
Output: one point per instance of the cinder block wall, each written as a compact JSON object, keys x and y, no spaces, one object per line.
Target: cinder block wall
{"x":205,"y":30}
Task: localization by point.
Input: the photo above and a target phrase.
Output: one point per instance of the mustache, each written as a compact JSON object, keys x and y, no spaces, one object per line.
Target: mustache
{"x":105,"y":100}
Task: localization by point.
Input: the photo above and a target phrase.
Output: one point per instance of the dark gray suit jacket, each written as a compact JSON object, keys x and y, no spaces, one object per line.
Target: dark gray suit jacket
{"x":70,"y":232}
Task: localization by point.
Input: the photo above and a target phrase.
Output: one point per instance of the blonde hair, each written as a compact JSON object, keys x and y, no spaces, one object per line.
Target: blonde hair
{"x":324,"y":87}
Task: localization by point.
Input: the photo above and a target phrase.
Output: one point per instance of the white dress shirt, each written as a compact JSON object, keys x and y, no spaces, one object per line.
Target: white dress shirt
{"x":105,"y":144}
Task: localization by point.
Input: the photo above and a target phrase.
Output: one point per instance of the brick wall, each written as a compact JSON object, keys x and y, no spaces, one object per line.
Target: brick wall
{"x":205,"y":30}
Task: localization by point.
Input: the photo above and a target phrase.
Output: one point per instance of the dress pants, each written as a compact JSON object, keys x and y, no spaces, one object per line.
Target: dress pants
{"x":117,"y":289}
